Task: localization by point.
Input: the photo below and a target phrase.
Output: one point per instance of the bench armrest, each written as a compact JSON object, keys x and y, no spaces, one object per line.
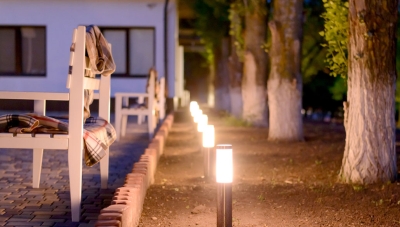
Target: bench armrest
{"x":34,"y":95}
{"x":131,"y":95}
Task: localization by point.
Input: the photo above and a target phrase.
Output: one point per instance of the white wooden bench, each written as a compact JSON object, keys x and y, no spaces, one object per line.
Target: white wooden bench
{"x":159,"y":101}
{"x":154,"y":107}
{"x":73,"y":140}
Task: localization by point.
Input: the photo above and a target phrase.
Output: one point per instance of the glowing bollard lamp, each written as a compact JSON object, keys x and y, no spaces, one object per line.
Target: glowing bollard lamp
{"x":224,"y":177}
{"x":208,"y":146}
{"x":193,"y":108}
{"x":196,"y":116}
{"x":201,"y":124}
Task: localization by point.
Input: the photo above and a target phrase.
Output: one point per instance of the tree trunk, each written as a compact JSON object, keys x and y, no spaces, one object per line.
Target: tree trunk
{"x":370,"y":152}
{"x":285,"y":82}
{"x":255,"y":65}
{"x":222,"y":100}
{"x":235,"y":75}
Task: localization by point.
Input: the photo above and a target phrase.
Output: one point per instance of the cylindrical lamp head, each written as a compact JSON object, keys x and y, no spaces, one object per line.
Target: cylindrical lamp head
{"x":209,"y":136}
{"x":197,"y":115}
{"x":193,"y":107}
{"x":224,"y":168}
{"x":202,"y":122}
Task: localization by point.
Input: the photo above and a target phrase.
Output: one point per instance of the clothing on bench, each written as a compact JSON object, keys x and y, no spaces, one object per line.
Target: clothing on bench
{"x":99,"y":60}
{"x":98,"y":134}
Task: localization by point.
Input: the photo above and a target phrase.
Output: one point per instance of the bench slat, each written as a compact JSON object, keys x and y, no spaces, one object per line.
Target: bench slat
{"x":22,"y":142}
{"x":88,"y":83}
{"x":34,"y":95}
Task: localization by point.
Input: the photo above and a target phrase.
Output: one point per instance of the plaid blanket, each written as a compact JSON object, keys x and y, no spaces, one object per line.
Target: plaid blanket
{"x":98,"y":134}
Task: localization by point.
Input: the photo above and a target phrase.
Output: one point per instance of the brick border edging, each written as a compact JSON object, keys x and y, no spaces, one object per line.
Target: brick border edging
{"x":127,"y":204}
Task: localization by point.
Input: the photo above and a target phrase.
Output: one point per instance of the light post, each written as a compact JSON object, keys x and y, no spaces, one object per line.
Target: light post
{"x":201,"y":124}
{"x":193,"y":106}
{"x":208,"y":146}
{"x":224,"y":177}
{"x":196,"y":115}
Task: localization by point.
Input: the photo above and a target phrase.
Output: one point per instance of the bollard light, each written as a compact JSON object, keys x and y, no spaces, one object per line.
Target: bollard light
{"x":224,"y":177}
{"x":209,"y":136}
{"x":193,"y":107}
{"x":208,"y":146}
{"x":198,"y":113}
{"x":224,"y":169}
{"x":202,"y":123}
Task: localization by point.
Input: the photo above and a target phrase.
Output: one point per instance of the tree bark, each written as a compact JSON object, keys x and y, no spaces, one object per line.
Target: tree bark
{"x":285,"y":81}
{"x":255,"y":65}
{"x":370,"y":152}
{"x":235,"y":82}
{"x":222,"y":100}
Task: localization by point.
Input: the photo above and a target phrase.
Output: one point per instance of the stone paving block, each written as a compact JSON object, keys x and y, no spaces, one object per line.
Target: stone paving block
{"x":46,"y":207}
{"x":13,"y":212}
{"x":161,"y":139}
{"x":49,"y":204}
{"x":40,"y":219}
{"x":3,"y":194}
{"x":48,"y":223}
{"x":65,"y":217}
{"x":154,"y":145}
{"x":147,"y":176}
{"x":3,"y":219}
{"x":19,"y":223}
{"x":110,"y":216}
{"x":52,"y":213}
{"x":123,"y":212}
{"x":120,"y":201}
{"x":68,"y":224}
{"x":85,"y":225}
{"x":163,"y":131}
{"x":26,"y":213}
{"x":6,"y":202}
{"x":108,"y":223}
{"x":19,"y":219}
{"x":138,"y":177}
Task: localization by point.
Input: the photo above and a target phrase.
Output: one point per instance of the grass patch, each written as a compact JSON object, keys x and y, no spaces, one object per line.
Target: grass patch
{"x":231,"y":120}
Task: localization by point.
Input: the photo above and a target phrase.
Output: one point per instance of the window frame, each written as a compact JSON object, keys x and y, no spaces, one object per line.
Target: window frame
{"x":18,"y":72}
{"x":128,"y":45}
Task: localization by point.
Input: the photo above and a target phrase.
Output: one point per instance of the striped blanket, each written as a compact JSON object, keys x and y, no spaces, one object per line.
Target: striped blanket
{"x":98,"y":134}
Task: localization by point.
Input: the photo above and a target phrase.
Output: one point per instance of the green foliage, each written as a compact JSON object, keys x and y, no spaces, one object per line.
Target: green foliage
{"x":231,"y":120}
{"x":313,"y":54}
{"x":236,"y":14}
{"x":261,"y":197}
{"x":212,"y":23}
{"x":336,"y":33}
{"x":358,"y":188}
{"x":339,"y":89}
{"x":398,"y":62}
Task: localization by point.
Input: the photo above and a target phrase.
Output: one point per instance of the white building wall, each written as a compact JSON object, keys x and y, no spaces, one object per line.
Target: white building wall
{"x":61,"y":17}
{"x":172,"y":46}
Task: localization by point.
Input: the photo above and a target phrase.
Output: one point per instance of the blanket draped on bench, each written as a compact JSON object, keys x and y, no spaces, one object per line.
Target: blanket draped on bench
{"x":98,"y":134}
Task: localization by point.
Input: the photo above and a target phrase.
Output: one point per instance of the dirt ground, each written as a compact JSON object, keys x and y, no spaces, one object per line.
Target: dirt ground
{"x":275,"y":184}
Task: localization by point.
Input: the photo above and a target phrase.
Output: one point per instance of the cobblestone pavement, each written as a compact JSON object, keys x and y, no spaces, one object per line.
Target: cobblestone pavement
{"x":22,"y":205}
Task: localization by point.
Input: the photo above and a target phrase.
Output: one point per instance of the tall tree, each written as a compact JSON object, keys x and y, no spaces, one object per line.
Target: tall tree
{"x":236,"y":13}
{"x":285,"y":80}
{"x":212,"y":25}
{"x":255,"y":67}
{"x":370,"y":154}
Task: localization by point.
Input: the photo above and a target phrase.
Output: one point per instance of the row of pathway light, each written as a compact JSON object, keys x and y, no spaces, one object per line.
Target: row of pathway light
{"x":219,"y":161}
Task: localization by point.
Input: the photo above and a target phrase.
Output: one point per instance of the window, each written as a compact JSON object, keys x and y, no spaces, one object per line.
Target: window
{"x":133,"y":50}
{"x":22,"y":50}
